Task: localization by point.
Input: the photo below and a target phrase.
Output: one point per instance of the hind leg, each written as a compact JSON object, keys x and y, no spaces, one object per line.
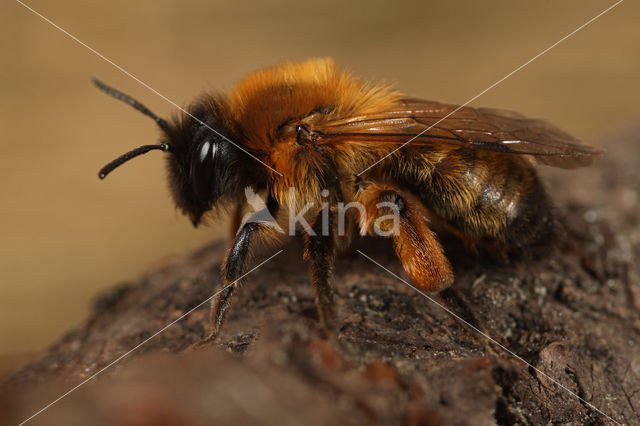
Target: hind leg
{"x":390,"y":213}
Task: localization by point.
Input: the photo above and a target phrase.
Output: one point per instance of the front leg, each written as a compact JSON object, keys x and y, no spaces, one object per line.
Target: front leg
{"x":253,"y":233}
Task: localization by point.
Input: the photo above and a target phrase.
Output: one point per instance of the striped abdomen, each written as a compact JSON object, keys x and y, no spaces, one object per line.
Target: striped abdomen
{"x":491,"y":199}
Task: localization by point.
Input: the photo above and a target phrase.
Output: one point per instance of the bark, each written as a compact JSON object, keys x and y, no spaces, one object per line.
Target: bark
{"x":395,"y":356}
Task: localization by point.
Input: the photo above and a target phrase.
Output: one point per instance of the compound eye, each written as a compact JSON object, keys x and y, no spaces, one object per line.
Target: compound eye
{"x":203,"y":170}
{"x":207,"y":151}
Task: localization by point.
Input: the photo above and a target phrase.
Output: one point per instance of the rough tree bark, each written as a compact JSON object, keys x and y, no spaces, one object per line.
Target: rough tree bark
{"x":396,"y":356}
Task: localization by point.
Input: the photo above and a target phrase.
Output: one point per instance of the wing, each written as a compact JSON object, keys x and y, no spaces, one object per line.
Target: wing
{"x":428,"y":123}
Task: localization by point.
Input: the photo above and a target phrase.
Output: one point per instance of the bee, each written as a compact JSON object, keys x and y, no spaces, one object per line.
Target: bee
{"x":312,"y":134}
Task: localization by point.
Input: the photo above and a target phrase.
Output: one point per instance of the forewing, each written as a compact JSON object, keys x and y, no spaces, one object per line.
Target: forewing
{"x":427,"y":123}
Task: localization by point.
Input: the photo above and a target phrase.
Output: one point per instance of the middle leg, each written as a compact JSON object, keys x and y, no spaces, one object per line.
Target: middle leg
{"x":321,"y":250}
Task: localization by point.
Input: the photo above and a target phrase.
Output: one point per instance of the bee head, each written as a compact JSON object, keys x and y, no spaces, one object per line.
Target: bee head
{"x":203,"y":164}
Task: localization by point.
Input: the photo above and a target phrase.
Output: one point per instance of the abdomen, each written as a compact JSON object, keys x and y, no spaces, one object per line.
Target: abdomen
{"x":489,"y":199}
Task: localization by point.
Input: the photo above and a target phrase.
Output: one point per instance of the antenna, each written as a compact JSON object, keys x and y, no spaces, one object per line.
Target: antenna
{"x":129,"y":155}
{"x":128,"y":99}
{"x":141,"y":149}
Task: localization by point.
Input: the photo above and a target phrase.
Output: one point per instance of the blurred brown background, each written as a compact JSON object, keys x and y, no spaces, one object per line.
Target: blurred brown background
{"x":66,"y":235}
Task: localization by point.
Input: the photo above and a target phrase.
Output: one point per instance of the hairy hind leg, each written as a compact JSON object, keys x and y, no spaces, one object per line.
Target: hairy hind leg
{"x":415,"y":244}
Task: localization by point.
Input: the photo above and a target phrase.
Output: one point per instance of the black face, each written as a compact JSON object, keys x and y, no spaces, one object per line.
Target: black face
{"x":203,"y":165}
